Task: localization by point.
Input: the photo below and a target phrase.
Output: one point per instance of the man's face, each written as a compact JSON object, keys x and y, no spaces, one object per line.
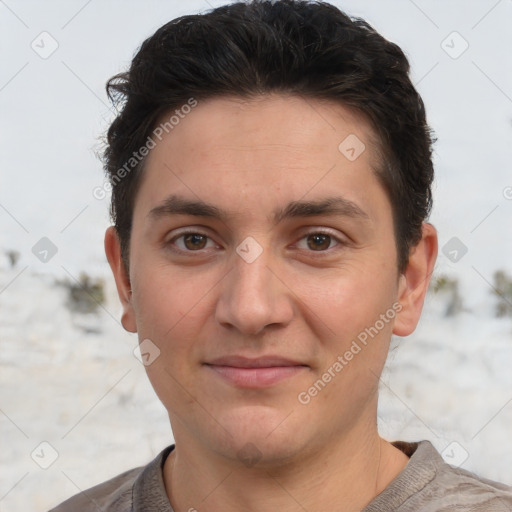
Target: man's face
{"x":265,"y":285}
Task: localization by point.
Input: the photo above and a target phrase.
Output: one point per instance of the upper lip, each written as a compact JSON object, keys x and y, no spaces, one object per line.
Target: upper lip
{"x":258,"y":362}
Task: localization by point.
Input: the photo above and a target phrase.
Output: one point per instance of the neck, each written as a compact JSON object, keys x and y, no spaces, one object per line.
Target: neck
{"x":350,"y":472}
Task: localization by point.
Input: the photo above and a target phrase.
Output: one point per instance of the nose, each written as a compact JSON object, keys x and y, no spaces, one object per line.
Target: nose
{"x":254,"y":296}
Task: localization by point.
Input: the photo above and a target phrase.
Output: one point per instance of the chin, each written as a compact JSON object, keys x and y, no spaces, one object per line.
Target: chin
{"x":260,"y":435}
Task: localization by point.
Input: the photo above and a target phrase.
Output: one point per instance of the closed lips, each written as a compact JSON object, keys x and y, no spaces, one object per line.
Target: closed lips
{"x":260,"y":362}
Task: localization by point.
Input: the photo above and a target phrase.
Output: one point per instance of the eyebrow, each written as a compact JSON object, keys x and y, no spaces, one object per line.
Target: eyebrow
{"x":178,"y":205}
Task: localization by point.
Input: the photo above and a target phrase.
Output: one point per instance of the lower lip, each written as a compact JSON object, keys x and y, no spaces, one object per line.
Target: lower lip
{"x":256,"y":377}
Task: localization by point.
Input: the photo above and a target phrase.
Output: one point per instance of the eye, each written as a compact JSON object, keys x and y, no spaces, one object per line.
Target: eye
{"x":191,"y":241}
{"x":319,"y":241}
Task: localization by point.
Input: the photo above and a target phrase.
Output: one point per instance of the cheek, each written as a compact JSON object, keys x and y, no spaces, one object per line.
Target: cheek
{"x":172,"y":309}
{"x":168,"y":314}
{"x":349,"y":297}
{"x":160,"y":301}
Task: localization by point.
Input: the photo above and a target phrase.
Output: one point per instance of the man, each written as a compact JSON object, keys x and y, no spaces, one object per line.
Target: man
{"x":271,"y":170}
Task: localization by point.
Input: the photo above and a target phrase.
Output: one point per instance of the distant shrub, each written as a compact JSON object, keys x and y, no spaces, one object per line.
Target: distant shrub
{"x":86,"y":295}
{"x":449,"y":287}
{"x":503,"y":291}
{"x":13,"y":257}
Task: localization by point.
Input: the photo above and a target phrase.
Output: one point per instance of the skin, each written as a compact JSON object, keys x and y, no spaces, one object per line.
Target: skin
{"x":302,"y":298}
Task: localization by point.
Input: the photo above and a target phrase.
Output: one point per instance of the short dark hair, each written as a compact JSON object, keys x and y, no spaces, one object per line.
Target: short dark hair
{"x":307,"y":48}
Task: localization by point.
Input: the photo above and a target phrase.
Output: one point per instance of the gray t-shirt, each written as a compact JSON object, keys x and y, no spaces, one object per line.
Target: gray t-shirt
{"x":426,"y":484}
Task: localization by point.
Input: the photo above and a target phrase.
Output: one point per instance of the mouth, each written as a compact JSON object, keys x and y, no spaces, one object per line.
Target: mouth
{"x":255,"y":373}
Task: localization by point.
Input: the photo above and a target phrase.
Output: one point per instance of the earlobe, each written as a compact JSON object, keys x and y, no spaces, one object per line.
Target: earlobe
{"x":413,"y":285}
{"x":115,"y":260}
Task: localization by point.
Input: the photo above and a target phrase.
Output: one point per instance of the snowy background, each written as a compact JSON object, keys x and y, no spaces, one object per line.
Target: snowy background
{"x":70,"y":380}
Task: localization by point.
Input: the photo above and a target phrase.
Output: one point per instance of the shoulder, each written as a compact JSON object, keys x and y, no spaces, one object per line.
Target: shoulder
{"x":448,"y":488}
{"x":119,"y":493}
{"x":461,"y":487}
{"x":112,"y":495}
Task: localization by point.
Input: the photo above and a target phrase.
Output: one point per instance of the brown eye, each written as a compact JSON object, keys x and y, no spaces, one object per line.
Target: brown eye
{"x":318,"y":241}
{"x":195,"y":241}
{"x":188,"y":242}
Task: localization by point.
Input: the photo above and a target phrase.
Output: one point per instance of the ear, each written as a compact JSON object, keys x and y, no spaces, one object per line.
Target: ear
{"x":113,"y":252}
{"x":414,"y":281}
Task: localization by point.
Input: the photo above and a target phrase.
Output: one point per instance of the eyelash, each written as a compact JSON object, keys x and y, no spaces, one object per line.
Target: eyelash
{"x":319,"y":253}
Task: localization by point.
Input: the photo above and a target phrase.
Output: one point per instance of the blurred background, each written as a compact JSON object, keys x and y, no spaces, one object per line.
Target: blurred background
{"x":76,"y":407}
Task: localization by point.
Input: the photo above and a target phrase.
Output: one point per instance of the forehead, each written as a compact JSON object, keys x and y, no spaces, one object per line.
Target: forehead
{"x":231,"y":151}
